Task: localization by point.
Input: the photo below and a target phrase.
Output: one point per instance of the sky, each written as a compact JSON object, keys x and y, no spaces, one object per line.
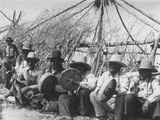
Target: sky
{"x":32,"y":8}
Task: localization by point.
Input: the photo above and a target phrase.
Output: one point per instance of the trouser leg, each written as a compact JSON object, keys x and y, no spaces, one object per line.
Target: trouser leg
{"x":85,"y":106}
{"x":119,"y":108}
{"x":99,"y":107}
{"x":67,"y":105}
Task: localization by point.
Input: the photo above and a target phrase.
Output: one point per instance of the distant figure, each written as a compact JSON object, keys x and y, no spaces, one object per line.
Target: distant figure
{"x":21,"y":59}
{"x":11,"y":51}
{"x":9,"y":61}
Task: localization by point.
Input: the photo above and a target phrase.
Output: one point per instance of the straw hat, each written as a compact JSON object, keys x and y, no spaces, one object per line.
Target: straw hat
{"x":117,"y":58}
{"x":80,"y":65}
{"x":27,"y":45}
{"x":146,"y":64}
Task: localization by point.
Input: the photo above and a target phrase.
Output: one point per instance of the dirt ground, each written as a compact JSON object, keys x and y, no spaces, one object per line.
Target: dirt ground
{"x":11,"y":112}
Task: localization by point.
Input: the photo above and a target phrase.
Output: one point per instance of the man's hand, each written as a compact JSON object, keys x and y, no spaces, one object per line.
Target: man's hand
{"x":145,"y":106}
{"x":83,"y":84}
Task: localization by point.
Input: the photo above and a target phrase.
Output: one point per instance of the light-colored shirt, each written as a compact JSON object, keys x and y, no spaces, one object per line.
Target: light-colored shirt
{"x":89,"y":81}
{"x":106,"y":77}
{"x":149,"y":90}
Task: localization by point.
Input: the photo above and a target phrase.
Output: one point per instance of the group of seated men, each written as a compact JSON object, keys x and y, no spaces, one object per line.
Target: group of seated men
{"x":135,"y":94}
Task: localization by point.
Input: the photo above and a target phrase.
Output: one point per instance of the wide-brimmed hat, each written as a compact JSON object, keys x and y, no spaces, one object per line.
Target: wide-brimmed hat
{"x":117,"y":58}
{"x":146,"y":64}
{"x":27,"y":45}
{"x":80,"y":65}
{"x":55,"y":55}
{"x":32,"y":57}
{"x":9,"y":39}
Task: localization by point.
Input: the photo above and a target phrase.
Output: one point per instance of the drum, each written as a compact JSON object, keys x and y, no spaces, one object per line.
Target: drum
{"x":70,"y":79}
{"x":47,"y":84}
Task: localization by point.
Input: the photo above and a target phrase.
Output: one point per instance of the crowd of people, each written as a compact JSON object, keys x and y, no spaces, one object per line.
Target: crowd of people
{"x":134,"y":94}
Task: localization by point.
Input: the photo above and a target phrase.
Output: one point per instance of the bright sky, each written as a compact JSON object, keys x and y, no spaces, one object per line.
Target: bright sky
{"x":32,"y":8}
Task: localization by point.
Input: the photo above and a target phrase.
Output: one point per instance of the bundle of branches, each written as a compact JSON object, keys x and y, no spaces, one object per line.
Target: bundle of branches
{"x":98,"y":3}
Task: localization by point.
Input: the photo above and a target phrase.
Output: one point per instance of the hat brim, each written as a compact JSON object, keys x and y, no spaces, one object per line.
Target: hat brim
{"x":120,"y":63}
{"x":152,"y":70}
{"x":25,"y":48}
{"x":80,"y":66}
{"x":35,"y":60}
{"x":56,"y":59}
{"x":9,"y":40}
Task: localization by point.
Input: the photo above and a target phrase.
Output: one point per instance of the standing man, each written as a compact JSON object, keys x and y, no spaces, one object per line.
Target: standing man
{"x":109,"y":84}
{"x":10,"y":55}
{"x":11,"y":51}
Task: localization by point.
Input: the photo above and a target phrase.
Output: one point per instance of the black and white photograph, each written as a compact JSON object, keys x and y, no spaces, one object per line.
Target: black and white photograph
{"x":79,"y":59}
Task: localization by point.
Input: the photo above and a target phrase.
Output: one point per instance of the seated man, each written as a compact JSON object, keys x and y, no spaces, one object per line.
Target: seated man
{"x":49,"y":82}
{"x":109,"y":84}
{"x":24,"y":80}
{"x":145,"y":101}
{"x":80,"y":98}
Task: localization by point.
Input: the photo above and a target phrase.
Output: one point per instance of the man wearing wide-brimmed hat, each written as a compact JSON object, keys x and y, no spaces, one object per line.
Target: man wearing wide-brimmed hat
{"x":21,"y":59}
{"x":109,"y":84}
{"x":51,"y":78}
{"x":55,"y":62}
{"x":146,"y":101}
{"x":76,"y":102}
{"x":26,"y":48}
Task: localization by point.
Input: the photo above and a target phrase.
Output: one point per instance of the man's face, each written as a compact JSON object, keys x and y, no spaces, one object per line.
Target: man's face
{"x":145,"y":74}
{"x":9,"y":43}
{"x":114,"y":68}
{"x":56,"y":64}
{"x":30,"y":62}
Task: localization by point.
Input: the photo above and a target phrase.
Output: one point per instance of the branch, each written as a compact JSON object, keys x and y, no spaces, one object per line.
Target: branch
{"x":74,"y":14}
{"x":5,"y":16}
{"x":50,"y":18}
{"x":142,"y":12}
{"x":125,"y":27}
{"x":134,"y":15}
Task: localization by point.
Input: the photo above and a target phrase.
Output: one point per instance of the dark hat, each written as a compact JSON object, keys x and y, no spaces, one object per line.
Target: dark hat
{"x":81,"y":66}
{"x":55,"y":55}
{"x":9,"y":39}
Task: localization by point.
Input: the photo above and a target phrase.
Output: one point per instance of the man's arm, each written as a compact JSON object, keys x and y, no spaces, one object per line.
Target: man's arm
{"x":156,"y":93}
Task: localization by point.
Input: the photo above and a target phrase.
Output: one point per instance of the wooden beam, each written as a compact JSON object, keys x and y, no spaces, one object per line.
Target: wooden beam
{"x":105,"y":53}
{"x":115,"y":44}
